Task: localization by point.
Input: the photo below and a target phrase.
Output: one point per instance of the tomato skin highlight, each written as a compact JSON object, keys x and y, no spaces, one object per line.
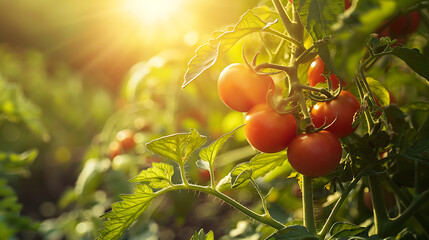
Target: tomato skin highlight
{"x":343,"y":107}
{"x":267,"y":130}
{"x":241,"y":89}
{"x":315,"y":76}
{"x":314,"y":154}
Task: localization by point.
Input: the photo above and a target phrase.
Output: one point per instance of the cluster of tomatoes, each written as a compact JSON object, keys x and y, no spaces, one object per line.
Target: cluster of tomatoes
{"x":312,"y":154}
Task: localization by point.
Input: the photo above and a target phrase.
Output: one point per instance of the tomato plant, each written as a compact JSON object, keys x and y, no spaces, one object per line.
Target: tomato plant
{"x":240,"y":88}
{"x":314,"y":154}
{"x":337,"y":114}
{"x":303,"y":132}
{"x":267,"y":130}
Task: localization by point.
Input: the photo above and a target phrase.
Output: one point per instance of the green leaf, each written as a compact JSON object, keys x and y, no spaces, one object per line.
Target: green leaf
{"x":209,"y":153}
{"x":416,"y":148}
{"x":344,"y":230}
{"x":177,"y":147}
{"x":124,"y":213}
{"x":89,"y":178}
{"x":207,"y":54}
{"x":379,"y":91}
{"x":240,"y":175}
{"x":158,"y":176}
{"x":418,"y":106}
{"x":17,"y":163}
{"x":16,"y":108}
{"x":318,"y":16}
{"x":201,"y":236}
{"x":414,"y":59}
{"x":294,"y":232}
{"x":264,"y":163}
{"x":259,"y":165}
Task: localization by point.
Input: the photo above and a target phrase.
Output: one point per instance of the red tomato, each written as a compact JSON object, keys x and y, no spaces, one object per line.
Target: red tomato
{"x":267,"y":130}
{"x":406,"y":24}
{"x":115,"y":149}
{"x":389,"y":199}
{"x":203,"y":175}
{"x":126,"y":139}
{"x":241,"y":89}
{"x":315,"y":74}
{"x":347,"y":4}
{"x":314,"y":154}
{"x":343,"y":108}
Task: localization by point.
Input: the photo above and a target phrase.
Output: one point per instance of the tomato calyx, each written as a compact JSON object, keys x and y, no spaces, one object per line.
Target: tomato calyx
{"x":258,"y":68}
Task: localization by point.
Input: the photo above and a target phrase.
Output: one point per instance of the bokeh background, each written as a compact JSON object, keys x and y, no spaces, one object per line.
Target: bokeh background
{"x":73,"y":73}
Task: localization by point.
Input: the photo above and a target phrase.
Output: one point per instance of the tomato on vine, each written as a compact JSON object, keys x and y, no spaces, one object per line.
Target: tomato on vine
{"x":315,"y":76}
{"x":240,"y":88}
{"x":338,"y":113}
{"x":126,"y":139}
{"x":406,"y":24}
{"x":267,"y":130}
{"x":314,"y":154}
{"x":114,"y":149}
{"x":347,"y":4}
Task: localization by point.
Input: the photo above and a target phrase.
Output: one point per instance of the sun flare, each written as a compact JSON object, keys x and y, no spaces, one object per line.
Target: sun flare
{"x":149,"y":12}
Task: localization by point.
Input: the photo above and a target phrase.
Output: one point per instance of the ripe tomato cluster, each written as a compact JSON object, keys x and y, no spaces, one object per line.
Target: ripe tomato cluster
{"x":312,"y":154}
{"x":243,"y":90}
{"x":124,"y":141}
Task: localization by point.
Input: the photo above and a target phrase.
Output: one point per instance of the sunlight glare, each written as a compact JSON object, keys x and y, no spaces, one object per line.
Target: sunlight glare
{"x":148,"y":12}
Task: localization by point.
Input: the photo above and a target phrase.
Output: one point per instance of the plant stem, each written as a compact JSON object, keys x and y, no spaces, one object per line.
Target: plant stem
{"x":338,"y":204}
{"x":381,"y":218}
{"x":258,"y":217}
{"x":406,"y":201}
{"x":264,"y":202}
{"x":395,"y":224}
{"x":315,"y":89}
{"x":182,"y":174}
{"x":283,"y":36}
{"x":417,"y":177}
{"x":307,"y":202}
{"x":212,"y":179}
{"x":283,"y":16}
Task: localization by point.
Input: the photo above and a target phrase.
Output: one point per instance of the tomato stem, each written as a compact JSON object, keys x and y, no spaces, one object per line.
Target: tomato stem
{"x":183,"y":175}
{"x":344,"y":194}
{"x":263,"y":200}
{"x":307,"y":202}
{"x":284,"y":36}
{"x":405,"y":199}
{"x":263,"y":218}
{"x":381,"y":218}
